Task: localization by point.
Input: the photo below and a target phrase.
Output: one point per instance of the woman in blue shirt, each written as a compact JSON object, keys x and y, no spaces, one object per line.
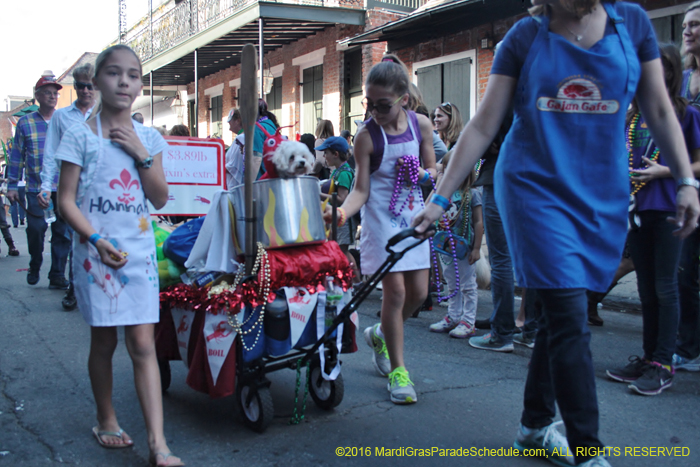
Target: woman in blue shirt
{"x":570,"y":71}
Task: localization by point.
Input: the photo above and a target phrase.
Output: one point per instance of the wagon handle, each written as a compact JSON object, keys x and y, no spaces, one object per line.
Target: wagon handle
{"x":406,"y":233}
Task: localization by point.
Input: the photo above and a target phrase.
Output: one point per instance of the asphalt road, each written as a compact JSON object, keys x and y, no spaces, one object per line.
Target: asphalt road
{"x":467,"y":398}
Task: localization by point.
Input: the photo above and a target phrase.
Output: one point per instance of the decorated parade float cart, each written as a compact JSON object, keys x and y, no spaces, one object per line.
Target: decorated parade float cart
{"x":264,"y":290}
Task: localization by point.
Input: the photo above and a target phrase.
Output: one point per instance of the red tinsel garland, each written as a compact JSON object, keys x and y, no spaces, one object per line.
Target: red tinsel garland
{"x":191,"y":297}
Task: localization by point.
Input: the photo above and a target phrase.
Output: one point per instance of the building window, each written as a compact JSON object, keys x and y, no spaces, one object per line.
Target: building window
{"x":274,"y":98}
{"x":312,"y":98}
{"x":353,"y":90}
{"x":191,"y":117}
{"x":217,"y":106}
{"x":669,"y":28}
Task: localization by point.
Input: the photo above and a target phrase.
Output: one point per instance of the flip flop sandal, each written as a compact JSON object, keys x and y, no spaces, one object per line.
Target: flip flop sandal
{"x":153,"y":460}
{"x":117,"y":434}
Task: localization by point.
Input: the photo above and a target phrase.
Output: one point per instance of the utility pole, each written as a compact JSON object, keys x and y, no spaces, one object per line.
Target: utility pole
{"x":122,"y":21}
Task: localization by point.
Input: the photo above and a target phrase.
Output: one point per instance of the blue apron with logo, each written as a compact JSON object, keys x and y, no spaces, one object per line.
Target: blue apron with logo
{"x":562,"y":177}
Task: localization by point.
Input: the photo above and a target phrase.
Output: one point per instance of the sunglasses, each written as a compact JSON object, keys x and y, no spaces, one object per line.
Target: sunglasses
{"x":382,"y":108}
{"x":80,"y":86}
{"x":447,"y":104}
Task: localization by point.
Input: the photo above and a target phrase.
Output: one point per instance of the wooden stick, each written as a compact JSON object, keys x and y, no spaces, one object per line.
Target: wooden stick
{"x":249,"y":115}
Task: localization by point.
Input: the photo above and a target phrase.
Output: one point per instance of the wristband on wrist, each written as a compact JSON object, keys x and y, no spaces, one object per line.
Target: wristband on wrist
{"x":425,"y":179}
{"x":343,"y":217}
{"x":440,"y":201}
{"x":144,"y":164}
{"x":94,"y":238}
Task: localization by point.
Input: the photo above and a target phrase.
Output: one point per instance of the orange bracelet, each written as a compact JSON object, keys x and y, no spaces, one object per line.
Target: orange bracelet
{"x":343,"y":217}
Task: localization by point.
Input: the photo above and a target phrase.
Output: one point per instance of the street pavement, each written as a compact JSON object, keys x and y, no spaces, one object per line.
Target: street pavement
{"x":467,"y":397}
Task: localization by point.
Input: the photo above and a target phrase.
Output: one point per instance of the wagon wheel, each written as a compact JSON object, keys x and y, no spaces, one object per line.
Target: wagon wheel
{"x":256,"y":406}
{"x":326,"y":394}
{"x":165,"y":376}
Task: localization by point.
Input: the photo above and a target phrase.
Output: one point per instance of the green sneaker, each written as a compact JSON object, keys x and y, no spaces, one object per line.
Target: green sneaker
{"x":401,"y":387}
{"x":380,"y":355}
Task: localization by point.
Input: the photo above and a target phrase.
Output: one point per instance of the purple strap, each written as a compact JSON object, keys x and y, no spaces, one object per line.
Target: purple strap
{"x":375,"y":132}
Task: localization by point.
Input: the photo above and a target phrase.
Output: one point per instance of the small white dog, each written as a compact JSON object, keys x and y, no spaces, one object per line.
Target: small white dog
{"x":292,"y":159}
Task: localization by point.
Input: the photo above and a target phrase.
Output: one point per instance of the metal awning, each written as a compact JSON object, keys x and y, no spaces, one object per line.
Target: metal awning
{"x":219,"y":46}
{"x":26,"y":110}
{"x":439,"y":21}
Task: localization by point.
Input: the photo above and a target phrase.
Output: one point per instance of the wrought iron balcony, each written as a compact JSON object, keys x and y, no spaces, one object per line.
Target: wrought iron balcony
{"x":190,"y":17}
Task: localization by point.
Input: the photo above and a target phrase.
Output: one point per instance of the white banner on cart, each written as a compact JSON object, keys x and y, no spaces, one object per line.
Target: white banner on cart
{"x":301,"y":305}
{"x":219,"y":336}
{"x":183,"y":327}
{"x":194,"y":170}
{"x":321,"y":329}
{"x":354,"y":317}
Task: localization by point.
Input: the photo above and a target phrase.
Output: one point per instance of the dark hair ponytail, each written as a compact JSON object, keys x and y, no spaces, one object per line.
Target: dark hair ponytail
{"x":673,"y":76}
{"x":263,"y":112}
{"x":390,"y":73}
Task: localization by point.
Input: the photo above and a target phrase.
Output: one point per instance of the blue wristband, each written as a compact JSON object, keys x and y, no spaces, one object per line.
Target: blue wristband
{"x":94,"y":238}
{"x":440,"y":201}
{"x":426,"y":178}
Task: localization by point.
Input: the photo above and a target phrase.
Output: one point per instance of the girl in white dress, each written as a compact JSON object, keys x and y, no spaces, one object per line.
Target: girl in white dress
{"x":111,"y":166}
{"x":390,"y":142}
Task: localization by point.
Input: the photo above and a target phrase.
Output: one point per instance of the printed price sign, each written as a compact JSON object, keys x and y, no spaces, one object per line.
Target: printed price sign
{"x":194,"y":170}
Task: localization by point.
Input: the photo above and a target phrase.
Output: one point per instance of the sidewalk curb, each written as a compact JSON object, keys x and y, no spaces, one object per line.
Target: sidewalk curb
{"x":622,"y":304}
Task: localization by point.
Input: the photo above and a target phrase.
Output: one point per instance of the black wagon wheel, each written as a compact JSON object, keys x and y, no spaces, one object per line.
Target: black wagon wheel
{"x":326,"y":394}
{"x":165,"y":375}
{"x":255,"y":403}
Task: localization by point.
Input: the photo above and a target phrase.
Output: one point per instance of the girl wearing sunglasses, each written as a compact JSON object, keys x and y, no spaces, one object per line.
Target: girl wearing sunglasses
{"x":386,"y":147}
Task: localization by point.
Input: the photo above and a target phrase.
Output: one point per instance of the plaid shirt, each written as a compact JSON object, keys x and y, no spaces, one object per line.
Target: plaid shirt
{"x":30,"y":136}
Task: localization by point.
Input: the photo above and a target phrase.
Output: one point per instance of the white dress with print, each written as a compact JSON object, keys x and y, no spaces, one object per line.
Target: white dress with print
{"x":114,"y":203}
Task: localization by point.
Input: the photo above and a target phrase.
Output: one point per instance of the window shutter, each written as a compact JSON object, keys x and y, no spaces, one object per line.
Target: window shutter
{"x":456,"y":85}
{"x":430,"y":85}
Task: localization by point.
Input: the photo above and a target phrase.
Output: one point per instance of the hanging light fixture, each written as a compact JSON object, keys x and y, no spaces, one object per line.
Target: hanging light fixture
{"x":268,"y":79}
{"x":177,"y":105}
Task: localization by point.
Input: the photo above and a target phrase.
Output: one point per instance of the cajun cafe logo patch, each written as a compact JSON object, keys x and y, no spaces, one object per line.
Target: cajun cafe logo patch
{"x":578,"y":95}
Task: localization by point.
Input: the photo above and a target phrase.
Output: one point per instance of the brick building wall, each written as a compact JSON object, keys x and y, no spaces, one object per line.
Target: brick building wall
{"x":333,"y":84}
{"x":6,"y":125}
{"x":470,"y":39}
{"x":656,"y":4}
{"x":291,"y":78}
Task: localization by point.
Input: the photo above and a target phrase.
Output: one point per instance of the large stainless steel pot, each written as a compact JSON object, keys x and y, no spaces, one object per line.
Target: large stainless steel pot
{"x":287,"y":212}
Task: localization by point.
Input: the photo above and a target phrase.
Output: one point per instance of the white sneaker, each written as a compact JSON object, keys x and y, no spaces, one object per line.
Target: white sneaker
{"x":463,"y":330}
{"x":444,"y":325}
{"x":687,"y":364}
{"x":599,"y":461}
{"x":380,"y":354}
{"x":554,"y":443}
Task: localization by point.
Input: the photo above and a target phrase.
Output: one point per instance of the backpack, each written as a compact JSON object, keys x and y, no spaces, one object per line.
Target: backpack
{"x":179,"y":244}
